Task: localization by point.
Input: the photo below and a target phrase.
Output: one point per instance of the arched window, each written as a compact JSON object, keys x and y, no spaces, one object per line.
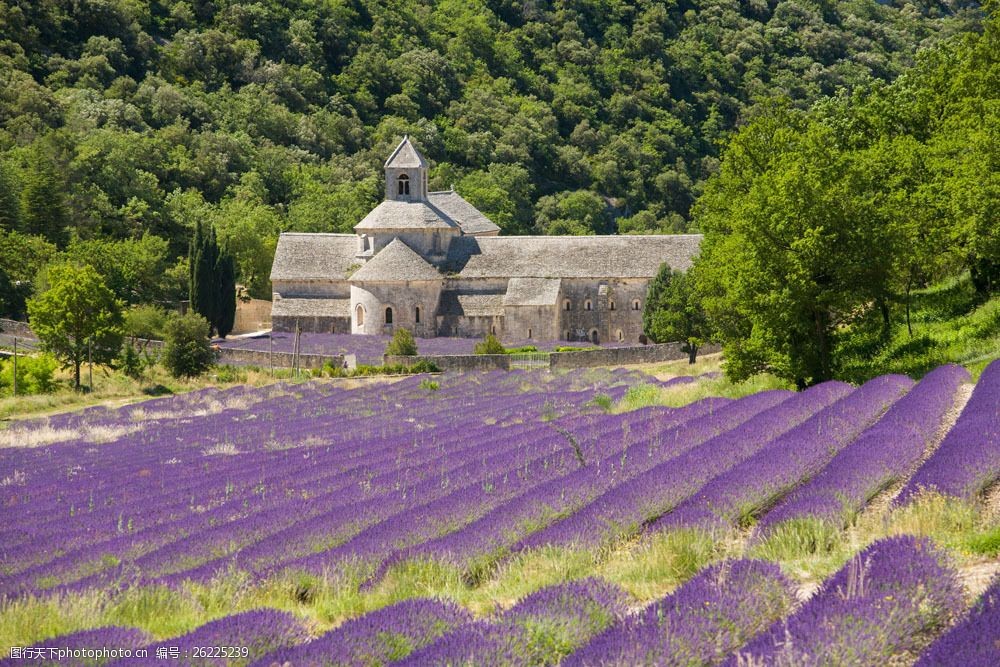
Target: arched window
{"x":594,"y":338}
{"x":416,"y":315}
{"x":587,"y":305}
{"x":359,"y":315}
{"x":611,"y":305}
{"x":567,"y":304}
{"x":529,"y":333}
{"x":493,"y":330}
{"x":635,"y":304}
{"x":621,"y":335}
{"x":404,"y":184}
{"x":388,"y":315}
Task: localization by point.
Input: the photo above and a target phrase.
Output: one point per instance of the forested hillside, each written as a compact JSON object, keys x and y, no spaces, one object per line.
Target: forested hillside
{"x":122,"y":122}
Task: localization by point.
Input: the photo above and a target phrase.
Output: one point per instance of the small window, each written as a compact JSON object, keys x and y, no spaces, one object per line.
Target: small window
{"x":493,"y":330}
{"x":529,"y":333}
{"x":611,"y":305}
{"x":587,"y":305}
{"x":635,"y":304}
{"x":416,"y":315}
{"x":404,"y":185}
{"x":565,"y":335}
{"x":388,"y":315}
{"x":360,"y":315}
{"x":567,"y":304}
{"x":621,"y":335}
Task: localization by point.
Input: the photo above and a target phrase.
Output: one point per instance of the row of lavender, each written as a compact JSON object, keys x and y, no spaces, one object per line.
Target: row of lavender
{"x":896,"y":599}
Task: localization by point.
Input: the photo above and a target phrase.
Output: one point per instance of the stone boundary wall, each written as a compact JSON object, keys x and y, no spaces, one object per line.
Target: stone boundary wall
{"x":15,"y":328}
{"x":455,"y":362}
{"x":261,"y":358}
{"x":622,"y":356}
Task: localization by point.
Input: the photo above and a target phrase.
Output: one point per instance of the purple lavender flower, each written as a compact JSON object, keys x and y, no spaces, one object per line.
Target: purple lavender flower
{"x":884,"y":602}
{"x":245,"y":636}
{"x":968,"y":460}
{"x":539,"y":630}
{"x":376,"y":638}
{"x":881,"y":455}
{"x":974,"y":641}
{"x":742,"y":493}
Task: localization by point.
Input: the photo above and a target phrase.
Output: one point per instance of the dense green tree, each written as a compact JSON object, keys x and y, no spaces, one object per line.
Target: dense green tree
{"x":21,"y":258}
{"x":673,"y":312}
{"x":10,"y":208}
{"x":186,"y":350}
{"x":133,"y":268}
{"x":43,"y":200}
{"x":77,"y":317}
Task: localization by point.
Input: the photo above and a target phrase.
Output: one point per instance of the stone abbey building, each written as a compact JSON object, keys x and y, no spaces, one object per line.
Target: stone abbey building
{"x":433,"y":263}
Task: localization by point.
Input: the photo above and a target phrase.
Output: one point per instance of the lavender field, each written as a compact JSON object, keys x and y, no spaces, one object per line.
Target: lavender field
{"x":513,"y":518}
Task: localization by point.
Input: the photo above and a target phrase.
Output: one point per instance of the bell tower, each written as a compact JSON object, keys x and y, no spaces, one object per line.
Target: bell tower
{"x":406,"y":173}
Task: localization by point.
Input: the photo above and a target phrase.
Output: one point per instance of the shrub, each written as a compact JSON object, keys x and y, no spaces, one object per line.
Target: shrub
{"x":146,"y":321}
{"x":402,"y":344}
{"x":187,"y":352}
{"x":490,"y":346}
{"x":34,"y":374}
{"x":520,"y":350}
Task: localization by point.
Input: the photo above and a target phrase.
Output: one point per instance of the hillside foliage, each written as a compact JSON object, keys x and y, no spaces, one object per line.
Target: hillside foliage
{"x":122,"y":120}
{"x":821,"y":225}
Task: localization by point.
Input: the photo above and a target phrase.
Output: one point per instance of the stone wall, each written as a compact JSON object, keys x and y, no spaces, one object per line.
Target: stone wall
{"x":622,"y":356}
{"x":455,"y":362}
{"x":252,"y":315}
{"x":15,"y":328}
{"x":281,"y":359}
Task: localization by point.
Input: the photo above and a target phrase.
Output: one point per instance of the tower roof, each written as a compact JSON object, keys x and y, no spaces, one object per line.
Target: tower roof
{"x":406,"y":156}
{"x":396,"y":262}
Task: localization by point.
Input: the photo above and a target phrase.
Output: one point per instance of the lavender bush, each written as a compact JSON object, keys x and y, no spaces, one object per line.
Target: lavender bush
{"x":974,"y":641}
{"x":878,"y":607}
{"x":741,"y":494}
{"x":541,"y":629}
{"x":880,"y":456}
{"x":968,"y":460}
{"x":375,"y":638}
{"x":699,"y":623}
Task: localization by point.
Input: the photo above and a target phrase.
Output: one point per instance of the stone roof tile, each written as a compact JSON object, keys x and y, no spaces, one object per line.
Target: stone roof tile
{"x":304,"y":307}
{"x":392,"y":214}
{"x":471,"y":219}
{"x":532,"y":292}
{"x":406,"y":156}
{"x":314,"y":256}
{"x":569,"y":256}
{"x":396,"y":262}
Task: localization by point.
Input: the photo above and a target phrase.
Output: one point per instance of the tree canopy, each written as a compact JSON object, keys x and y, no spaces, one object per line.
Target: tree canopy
{"x":77,"y":317}
{"x":821,"y":223}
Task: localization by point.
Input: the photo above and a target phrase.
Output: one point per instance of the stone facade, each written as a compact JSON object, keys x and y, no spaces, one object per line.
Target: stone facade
{"x":431,"y":262}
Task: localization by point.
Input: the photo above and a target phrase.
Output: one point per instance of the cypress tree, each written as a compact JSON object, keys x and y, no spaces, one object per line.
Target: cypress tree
{"x":226,"y":296}
{"x":212,"y":281}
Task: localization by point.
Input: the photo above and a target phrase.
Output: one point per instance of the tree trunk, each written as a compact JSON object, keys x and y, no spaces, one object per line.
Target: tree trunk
{"x":692,"y":353}
{"x":76,"y":373}
{"x":820,"y":320}
{"x":909,"y":326}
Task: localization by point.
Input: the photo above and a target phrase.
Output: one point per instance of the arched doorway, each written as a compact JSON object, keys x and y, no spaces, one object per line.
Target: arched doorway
{"x":594,"y":338}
